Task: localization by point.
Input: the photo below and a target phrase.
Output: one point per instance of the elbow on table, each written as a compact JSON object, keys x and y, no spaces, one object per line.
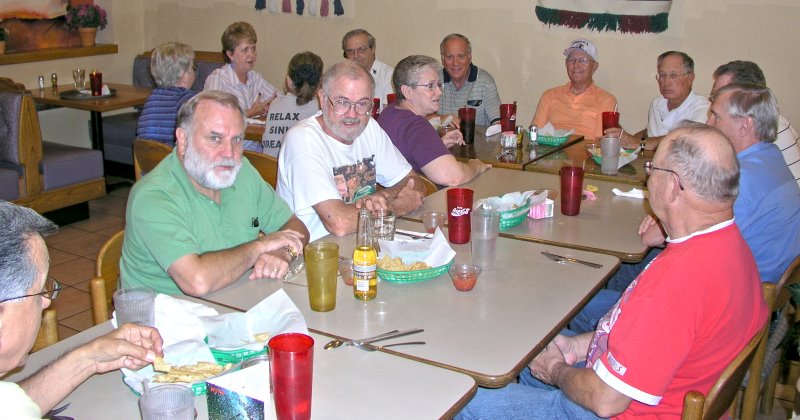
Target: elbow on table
{"x":338,"y":227}
{"x":197,"y":285}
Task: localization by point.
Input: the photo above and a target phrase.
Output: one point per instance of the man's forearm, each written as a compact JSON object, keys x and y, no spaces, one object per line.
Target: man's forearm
{"x":199,"y":275}
{"x":51,"y":384}
{"x":583,"y":386}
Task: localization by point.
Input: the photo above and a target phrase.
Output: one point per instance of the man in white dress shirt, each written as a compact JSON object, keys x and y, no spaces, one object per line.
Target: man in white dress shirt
{"x":359,"y":45}
{"x":677,"y":102}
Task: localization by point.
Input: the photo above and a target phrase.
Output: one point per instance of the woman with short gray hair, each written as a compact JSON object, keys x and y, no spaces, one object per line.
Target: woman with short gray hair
{"x":418,"y":88}
{"x":172,"y":67}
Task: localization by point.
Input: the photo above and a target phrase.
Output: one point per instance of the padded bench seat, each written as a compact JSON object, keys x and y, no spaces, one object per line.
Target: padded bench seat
{"x":64,"y":165}
{"x":9,"y":184}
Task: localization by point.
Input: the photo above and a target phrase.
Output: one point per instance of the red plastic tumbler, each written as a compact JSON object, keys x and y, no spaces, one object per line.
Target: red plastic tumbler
{"x":390,"y":98}
{"x":571,"y":190}
{"x":459,"y":221}
{"x":96,"y":81}
{"x":610,"y":119}
{"x":291,"y":358}
{"x":376,"y":107}
{"x":508,"y":117}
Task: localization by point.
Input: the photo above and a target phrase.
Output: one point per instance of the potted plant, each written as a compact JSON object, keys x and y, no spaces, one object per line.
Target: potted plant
{"x":3,"y":36}
{"x":87,"y":19}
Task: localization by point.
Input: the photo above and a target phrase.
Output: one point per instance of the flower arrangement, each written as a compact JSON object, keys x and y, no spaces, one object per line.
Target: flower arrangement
{"x":86,"y":16}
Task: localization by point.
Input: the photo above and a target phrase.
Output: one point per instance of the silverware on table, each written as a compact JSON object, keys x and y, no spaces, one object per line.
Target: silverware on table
{"x":369,"y":347}
{"x":412,"y":235}
{"x":392,"y":334}
{"x":563,"y":259}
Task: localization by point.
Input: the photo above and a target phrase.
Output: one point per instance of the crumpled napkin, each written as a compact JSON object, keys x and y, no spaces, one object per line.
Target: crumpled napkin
{"x":492,"y":130}
{"x":256,"y":121}
{"x":507,"y":201}
{"x":435,"y":251}
{"x":549,"y":130}
{"x":625,"y":156}
{"x":633,"y":193}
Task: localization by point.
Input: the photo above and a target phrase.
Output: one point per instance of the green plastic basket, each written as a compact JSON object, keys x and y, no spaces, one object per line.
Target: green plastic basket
{"x":551,"y":140}
{"x":514,"y":217}
{"x":236,"y":356}
{"x":413,"y":276}
{"x":199,"y":388}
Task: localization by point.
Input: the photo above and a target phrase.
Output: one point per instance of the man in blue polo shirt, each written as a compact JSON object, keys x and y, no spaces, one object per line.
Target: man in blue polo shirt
{"x":194,"y":223}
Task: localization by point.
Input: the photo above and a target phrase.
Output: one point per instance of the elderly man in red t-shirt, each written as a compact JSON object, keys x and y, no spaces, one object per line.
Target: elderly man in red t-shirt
{"x":677,"y":326}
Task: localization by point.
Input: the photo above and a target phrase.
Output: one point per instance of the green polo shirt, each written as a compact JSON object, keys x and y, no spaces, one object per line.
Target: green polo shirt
{"x":168,"y":218}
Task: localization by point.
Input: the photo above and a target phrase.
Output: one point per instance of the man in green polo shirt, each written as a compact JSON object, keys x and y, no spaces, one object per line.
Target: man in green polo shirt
{"x":193,"y":222}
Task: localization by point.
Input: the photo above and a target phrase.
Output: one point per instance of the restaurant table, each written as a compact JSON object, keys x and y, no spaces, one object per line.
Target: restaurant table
{"x":490,"y":333}
{"x":254,"y":132}
{"x":126,"y":96}
{"x":489,"y":150}
{"x":348,"y":384}
{"x":606,"y":225}
{"x":576,"y":154}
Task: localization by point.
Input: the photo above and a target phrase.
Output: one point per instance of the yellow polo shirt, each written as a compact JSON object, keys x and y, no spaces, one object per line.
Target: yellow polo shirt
{"x":580,"y":112}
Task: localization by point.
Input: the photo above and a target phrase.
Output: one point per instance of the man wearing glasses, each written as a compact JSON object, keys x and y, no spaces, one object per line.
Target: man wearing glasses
{"x":23,"y":295}
{"x":331,"y":163}
{"x":579,"y":104}
{"x":358,"y":45}
{"x":677,"y":102}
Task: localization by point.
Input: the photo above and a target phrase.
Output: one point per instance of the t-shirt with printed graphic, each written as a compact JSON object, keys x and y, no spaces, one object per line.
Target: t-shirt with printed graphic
{"x":680,"y":323}
{"x":314,"y":167}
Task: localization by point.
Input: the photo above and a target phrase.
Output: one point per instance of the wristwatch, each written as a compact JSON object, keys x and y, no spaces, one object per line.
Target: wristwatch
{"x":643,"y":143}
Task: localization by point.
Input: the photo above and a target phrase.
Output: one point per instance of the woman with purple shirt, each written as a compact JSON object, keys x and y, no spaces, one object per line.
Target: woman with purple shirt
{"x":418,"y":88}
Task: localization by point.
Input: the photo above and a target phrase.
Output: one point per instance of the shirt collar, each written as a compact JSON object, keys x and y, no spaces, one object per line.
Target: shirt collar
{"x":710,"y":229}
{"x":473,"y":74}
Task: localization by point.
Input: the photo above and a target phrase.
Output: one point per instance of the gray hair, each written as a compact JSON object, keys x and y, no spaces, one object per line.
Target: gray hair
{"x":354,"y":32}
{"x":168,"y":62}
{"x":454,"y":36}
{"x":756,"y":102}
{"x":408,"y":70}
{"x":688,"y":63}
{"x":17,"y":271}
{"x":185,"y":118}
{"x":742,"y":72}
{"x":348,"y":69}
{"x":713,"y":176}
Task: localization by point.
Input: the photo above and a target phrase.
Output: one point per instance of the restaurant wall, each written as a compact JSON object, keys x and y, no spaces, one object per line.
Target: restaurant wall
{"x":523,"y":55}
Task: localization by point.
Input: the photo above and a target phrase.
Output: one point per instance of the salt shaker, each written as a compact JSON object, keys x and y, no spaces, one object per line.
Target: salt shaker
{"x":534,"y":134}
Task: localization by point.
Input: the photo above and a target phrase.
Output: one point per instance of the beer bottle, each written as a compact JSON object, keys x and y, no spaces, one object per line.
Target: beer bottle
{"x":365,"y":260}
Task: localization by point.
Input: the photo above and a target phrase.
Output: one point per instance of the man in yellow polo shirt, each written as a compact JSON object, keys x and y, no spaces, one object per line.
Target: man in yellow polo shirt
{"x":579,"y":104}
{"x":193,"y":222}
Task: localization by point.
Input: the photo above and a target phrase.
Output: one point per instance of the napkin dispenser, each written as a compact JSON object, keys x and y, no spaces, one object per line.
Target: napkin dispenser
{"x":242,"y":394}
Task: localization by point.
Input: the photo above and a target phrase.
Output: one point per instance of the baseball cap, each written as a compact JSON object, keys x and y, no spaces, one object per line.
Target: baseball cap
{"x":582,"y":44}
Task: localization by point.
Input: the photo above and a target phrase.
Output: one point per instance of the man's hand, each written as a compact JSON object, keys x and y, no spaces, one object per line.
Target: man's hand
{"x":545,"y":366}
{"x":452,"y":138}
{"x":274,"y":261}
{"x":132,"y":346}
{"x":377,"y":201}
{"x":407,"y":200}
{"x":650,"y":232}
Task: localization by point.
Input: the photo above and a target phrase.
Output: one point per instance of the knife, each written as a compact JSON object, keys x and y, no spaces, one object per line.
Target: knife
{"x":562,"y":259}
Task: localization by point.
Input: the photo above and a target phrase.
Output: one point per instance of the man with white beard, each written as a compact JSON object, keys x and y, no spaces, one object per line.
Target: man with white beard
{"x":195,"y":222}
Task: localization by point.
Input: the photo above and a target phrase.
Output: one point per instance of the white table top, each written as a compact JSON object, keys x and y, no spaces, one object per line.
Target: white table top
{"x":348,"y":384}
{"x":490,"y":333}
{"x":607,"y":225}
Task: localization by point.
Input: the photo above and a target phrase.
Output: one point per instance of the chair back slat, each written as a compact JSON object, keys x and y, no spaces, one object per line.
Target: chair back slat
{"x":147,"y":154}
{"x":266,"y":165}
{"x":104,"y":284}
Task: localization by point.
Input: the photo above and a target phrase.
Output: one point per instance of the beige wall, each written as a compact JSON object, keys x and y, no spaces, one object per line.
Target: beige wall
{"x":523,"y":55}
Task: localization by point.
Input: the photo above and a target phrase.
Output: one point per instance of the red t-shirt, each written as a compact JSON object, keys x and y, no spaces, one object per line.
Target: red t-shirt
{"x":680,"y":323}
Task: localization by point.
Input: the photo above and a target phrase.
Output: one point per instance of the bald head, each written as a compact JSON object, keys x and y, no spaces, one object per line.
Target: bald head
{"x":704,"y":160}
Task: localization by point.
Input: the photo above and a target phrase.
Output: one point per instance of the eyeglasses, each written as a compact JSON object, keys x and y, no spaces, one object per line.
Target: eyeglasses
{"x":351,"y":52}
{"x":342,"y":106}
{"x":671,"y":76}
{"x":431,"y":86}
{"x":51,"y":291}
{"x":648,"y":168}
{"x":582,"y":61}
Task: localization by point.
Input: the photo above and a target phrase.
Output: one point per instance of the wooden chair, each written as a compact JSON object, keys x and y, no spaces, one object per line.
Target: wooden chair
{"x":430,"y":187}
{"x":781,"y":304}
{"x":722,"y":395}
{"x":266,"y":165}
{"x":48,"y":332}
{"x":11,"y":85}
{"x":106,"y":277}
{"x":147,"y":154}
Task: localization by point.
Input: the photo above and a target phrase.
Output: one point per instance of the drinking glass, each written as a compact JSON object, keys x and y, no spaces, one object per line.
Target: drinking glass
{"x":135,"y":305}
{"x":291,"y":358}
{"x":322,"y":263}
{"x":79,"y":78}
{"x":167,"y":402}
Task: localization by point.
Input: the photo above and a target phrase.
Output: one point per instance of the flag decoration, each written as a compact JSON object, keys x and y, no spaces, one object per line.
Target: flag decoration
{"x":313,"y":8}
{"x":627,"y":16}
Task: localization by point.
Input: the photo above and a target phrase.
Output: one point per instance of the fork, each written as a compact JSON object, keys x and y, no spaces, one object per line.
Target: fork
{"x":369,"y":347}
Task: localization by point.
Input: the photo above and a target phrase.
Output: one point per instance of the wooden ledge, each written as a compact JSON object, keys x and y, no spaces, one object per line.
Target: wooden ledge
{"x":56,"y":54}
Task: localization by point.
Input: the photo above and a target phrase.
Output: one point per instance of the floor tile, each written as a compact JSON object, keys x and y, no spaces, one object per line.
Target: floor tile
{"x":121,"y":193}
{"x":100,"y":221}
{"x":80,"y":322}
{"x":64,"y":234}
{"x":65,"y":332}
{"x":58,"y":256}
{"x":109,"y":232}
{"x":87,"y":244}
{"x":70,"y":302}
{"x":73,"y":272}
{"x":108,"y":205}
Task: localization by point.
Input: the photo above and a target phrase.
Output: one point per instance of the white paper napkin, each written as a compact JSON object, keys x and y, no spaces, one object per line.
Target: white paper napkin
{"x":492,"y":130}
{"x":508,"y":201}
{"x":549,"y":130}
{"x":435,"y":251}
{"x":256,"y":121}
{"x":633,"y":193}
